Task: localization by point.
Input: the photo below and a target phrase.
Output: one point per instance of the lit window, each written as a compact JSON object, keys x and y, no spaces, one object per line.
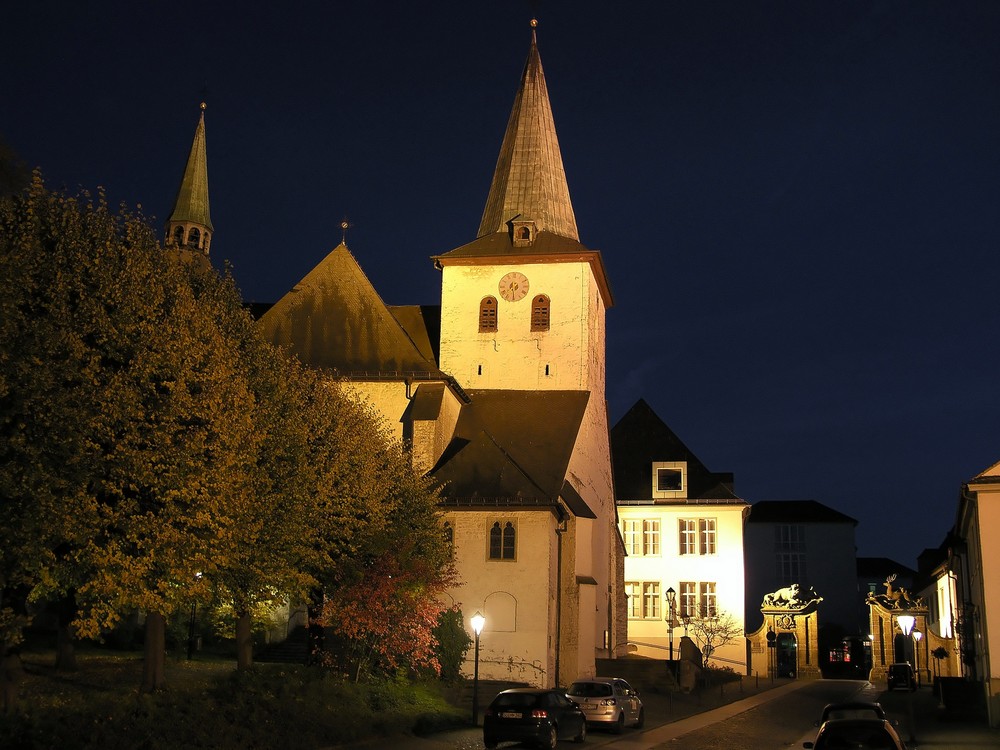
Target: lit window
{"x":688,"y":599}
{"x":688,"y":536}
{"x":706,"y":536}
{"x":709,"y":607}
{"x":643,"y":600}
{"x":540,"y":313}
{"x":503,"y":541}
{"x":488,"y":315}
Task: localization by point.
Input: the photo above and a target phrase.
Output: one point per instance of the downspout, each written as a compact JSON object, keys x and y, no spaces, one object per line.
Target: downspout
{"x":560,"y":530}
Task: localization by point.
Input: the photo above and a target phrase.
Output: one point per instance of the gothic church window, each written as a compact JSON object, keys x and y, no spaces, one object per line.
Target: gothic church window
{"x":488,"y":315}
{"x":503,"y":541}
{"x":540,"y":313}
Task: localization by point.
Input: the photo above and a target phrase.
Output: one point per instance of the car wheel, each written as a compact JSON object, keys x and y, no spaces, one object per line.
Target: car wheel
{"x":552,"y":740}
{"x":582,"y":737}
{"x":619,"y":725}
{"x":641,"y":721}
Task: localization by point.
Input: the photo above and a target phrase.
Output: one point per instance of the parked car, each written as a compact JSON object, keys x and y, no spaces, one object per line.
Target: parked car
{"x":609,"y":702}
{"x":536,"y":715}
{"x":901,"y":676}
{"x":852,"y":710}
{"x":856,"y":734}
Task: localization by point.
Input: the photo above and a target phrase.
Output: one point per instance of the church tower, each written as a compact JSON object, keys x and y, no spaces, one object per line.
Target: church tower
{"x":190,"y":224}
{"x":523,"y":306}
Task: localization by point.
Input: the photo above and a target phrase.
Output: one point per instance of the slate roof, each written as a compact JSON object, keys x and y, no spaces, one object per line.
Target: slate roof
{"x":529,"y":180}
{"x":796,"y":511}
{"x":334,"y":319}
{"x":513,"y":445}
{"x":640,"y":438}
{"x":191,"y":204}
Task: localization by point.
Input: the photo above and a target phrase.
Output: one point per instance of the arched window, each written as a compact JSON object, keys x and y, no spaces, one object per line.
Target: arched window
{"x":524,"y":233}
{"x":488,"y":315}
{"x":540,"y":313}
{"x":503,"y":541}
{"x":194,"y":237}
{"x":179,"y":236}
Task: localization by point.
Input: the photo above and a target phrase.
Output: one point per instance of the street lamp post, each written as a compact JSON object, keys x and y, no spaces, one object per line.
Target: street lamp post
{"x":477,"y":626}
{"x":917,"y":635}
{"x":671,"y":598}
{"x":906,"y":625}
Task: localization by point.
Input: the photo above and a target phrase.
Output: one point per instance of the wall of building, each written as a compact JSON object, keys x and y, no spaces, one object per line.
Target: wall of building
{"x":569,"y":356}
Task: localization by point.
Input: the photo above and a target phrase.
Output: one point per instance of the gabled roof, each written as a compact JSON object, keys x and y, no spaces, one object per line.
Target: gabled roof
{"x":640,"y":438}
{"x":529,"y":181}
{"x":191,"y":205}
{"x":333,"y":319}
{"x":796,"y":511}
{"x":512,"y":444}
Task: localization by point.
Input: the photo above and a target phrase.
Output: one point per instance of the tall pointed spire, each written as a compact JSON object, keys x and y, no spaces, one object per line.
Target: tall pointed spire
{"x":529,"y":184}
{"x":190,"y":224}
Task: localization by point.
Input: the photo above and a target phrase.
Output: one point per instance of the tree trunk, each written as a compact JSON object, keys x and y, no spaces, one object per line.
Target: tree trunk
{"x":11,"y":674}
{"x":65,"y":650}
{"x":244,"y":643}
{"x":154,"y":653}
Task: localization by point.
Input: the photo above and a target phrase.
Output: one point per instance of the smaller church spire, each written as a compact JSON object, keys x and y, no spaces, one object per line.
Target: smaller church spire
{"x":190,"y":224}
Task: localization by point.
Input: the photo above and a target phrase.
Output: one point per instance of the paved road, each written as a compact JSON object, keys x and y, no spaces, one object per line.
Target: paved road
{"x":781,"y":717}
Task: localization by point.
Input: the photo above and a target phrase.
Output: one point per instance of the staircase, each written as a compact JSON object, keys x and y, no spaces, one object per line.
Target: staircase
{"x":645,"y":675}
{"x":293,"y":650}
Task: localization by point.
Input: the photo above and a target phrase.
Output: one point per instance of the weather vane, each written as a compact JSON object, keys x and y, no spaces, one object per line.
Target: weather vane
{"x":344,"y":226}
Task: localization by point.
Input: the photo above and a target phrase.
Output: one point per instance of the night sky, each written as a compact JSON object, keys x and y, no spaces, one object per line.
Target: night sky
{"x":797,"y":201}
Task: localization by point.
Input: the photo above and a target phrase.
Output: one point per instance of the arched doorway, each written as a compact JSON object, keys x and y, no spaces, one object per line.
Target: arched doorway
{"x":786,"y":655}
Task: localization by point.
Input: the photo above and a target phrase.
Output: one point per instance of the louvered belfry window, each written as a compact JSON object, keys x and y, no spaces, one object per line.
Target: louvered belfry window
{"x":540,"y":313}
{"x":488,"y":315}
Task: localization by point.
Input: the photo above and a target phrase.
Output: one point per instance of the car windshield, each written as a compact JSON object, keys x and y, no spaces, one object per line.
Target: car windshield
{"x":589,"y":689}
{"x":852,"y":712}
{"x":515,"y":700}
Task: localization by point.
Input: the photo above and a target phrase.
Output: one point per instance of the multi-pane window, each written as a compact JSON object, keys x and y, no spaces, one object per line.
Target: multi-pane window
{"x":642,"y":537}
{"x":687,"y":529}
{"x":789,"y":538}
{"x":791,"y":567}
{"x":707,"y":606}
{"x":697,"y":536}
{"x":706,"y":536}
{"x":643,"y":600}
{"x":697,"y":599}
{"x":503,"y":541}
{"x":688,"y":598}
{"x":540,"y":313}
{"x":488,"y":315}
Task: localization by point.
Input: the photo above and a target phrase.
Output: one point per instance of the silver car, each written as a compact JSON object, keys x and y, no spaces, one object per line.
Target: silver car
{"x":608,"y":701}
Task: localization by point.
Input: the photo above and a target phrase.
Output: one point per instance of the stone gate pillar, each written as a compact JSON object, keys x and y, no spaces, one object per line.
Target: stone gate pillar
{"x":790,"y":614}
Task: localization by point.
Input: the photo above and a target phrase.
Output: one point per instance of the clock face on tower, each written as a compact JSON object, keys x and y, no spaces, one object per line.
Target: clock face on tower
{"x":513,"y":286}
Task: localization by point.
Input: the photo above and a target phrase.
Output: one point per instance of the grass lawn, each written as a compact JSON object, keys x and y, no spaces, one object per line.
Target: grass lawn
{"x":207,"y":703}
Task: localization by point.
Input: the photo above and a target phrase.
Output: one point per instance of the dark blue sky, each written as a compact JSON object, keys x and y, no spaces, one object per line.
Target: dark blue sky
{"x":797,"y":202}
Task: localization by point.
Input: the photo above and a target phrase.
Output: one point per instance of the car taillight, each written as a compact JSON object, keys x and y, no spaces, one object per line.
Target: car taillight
{"x":608,"y":702}
{"x":539,"y":713}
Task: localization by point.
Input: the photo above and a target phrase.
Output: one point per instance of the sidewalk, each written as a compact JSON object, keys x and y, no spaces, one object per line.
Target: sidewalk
{"x":925,"y":723}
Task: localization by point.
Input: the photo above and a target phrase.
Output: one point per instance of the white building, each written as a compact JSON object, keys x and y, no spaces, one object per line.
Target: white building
{"x":682,"y":527}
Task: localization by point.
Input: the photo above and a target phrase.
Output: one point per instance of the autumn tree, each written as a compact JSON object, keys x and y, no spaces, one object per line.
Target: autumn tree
{"x":111,"y":486}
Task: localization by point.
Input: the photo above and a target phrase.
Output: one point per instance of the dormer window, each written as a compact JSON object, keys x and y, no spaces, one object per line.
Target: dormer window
{"x":669,"y":479}
{"x":523,"y":233}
